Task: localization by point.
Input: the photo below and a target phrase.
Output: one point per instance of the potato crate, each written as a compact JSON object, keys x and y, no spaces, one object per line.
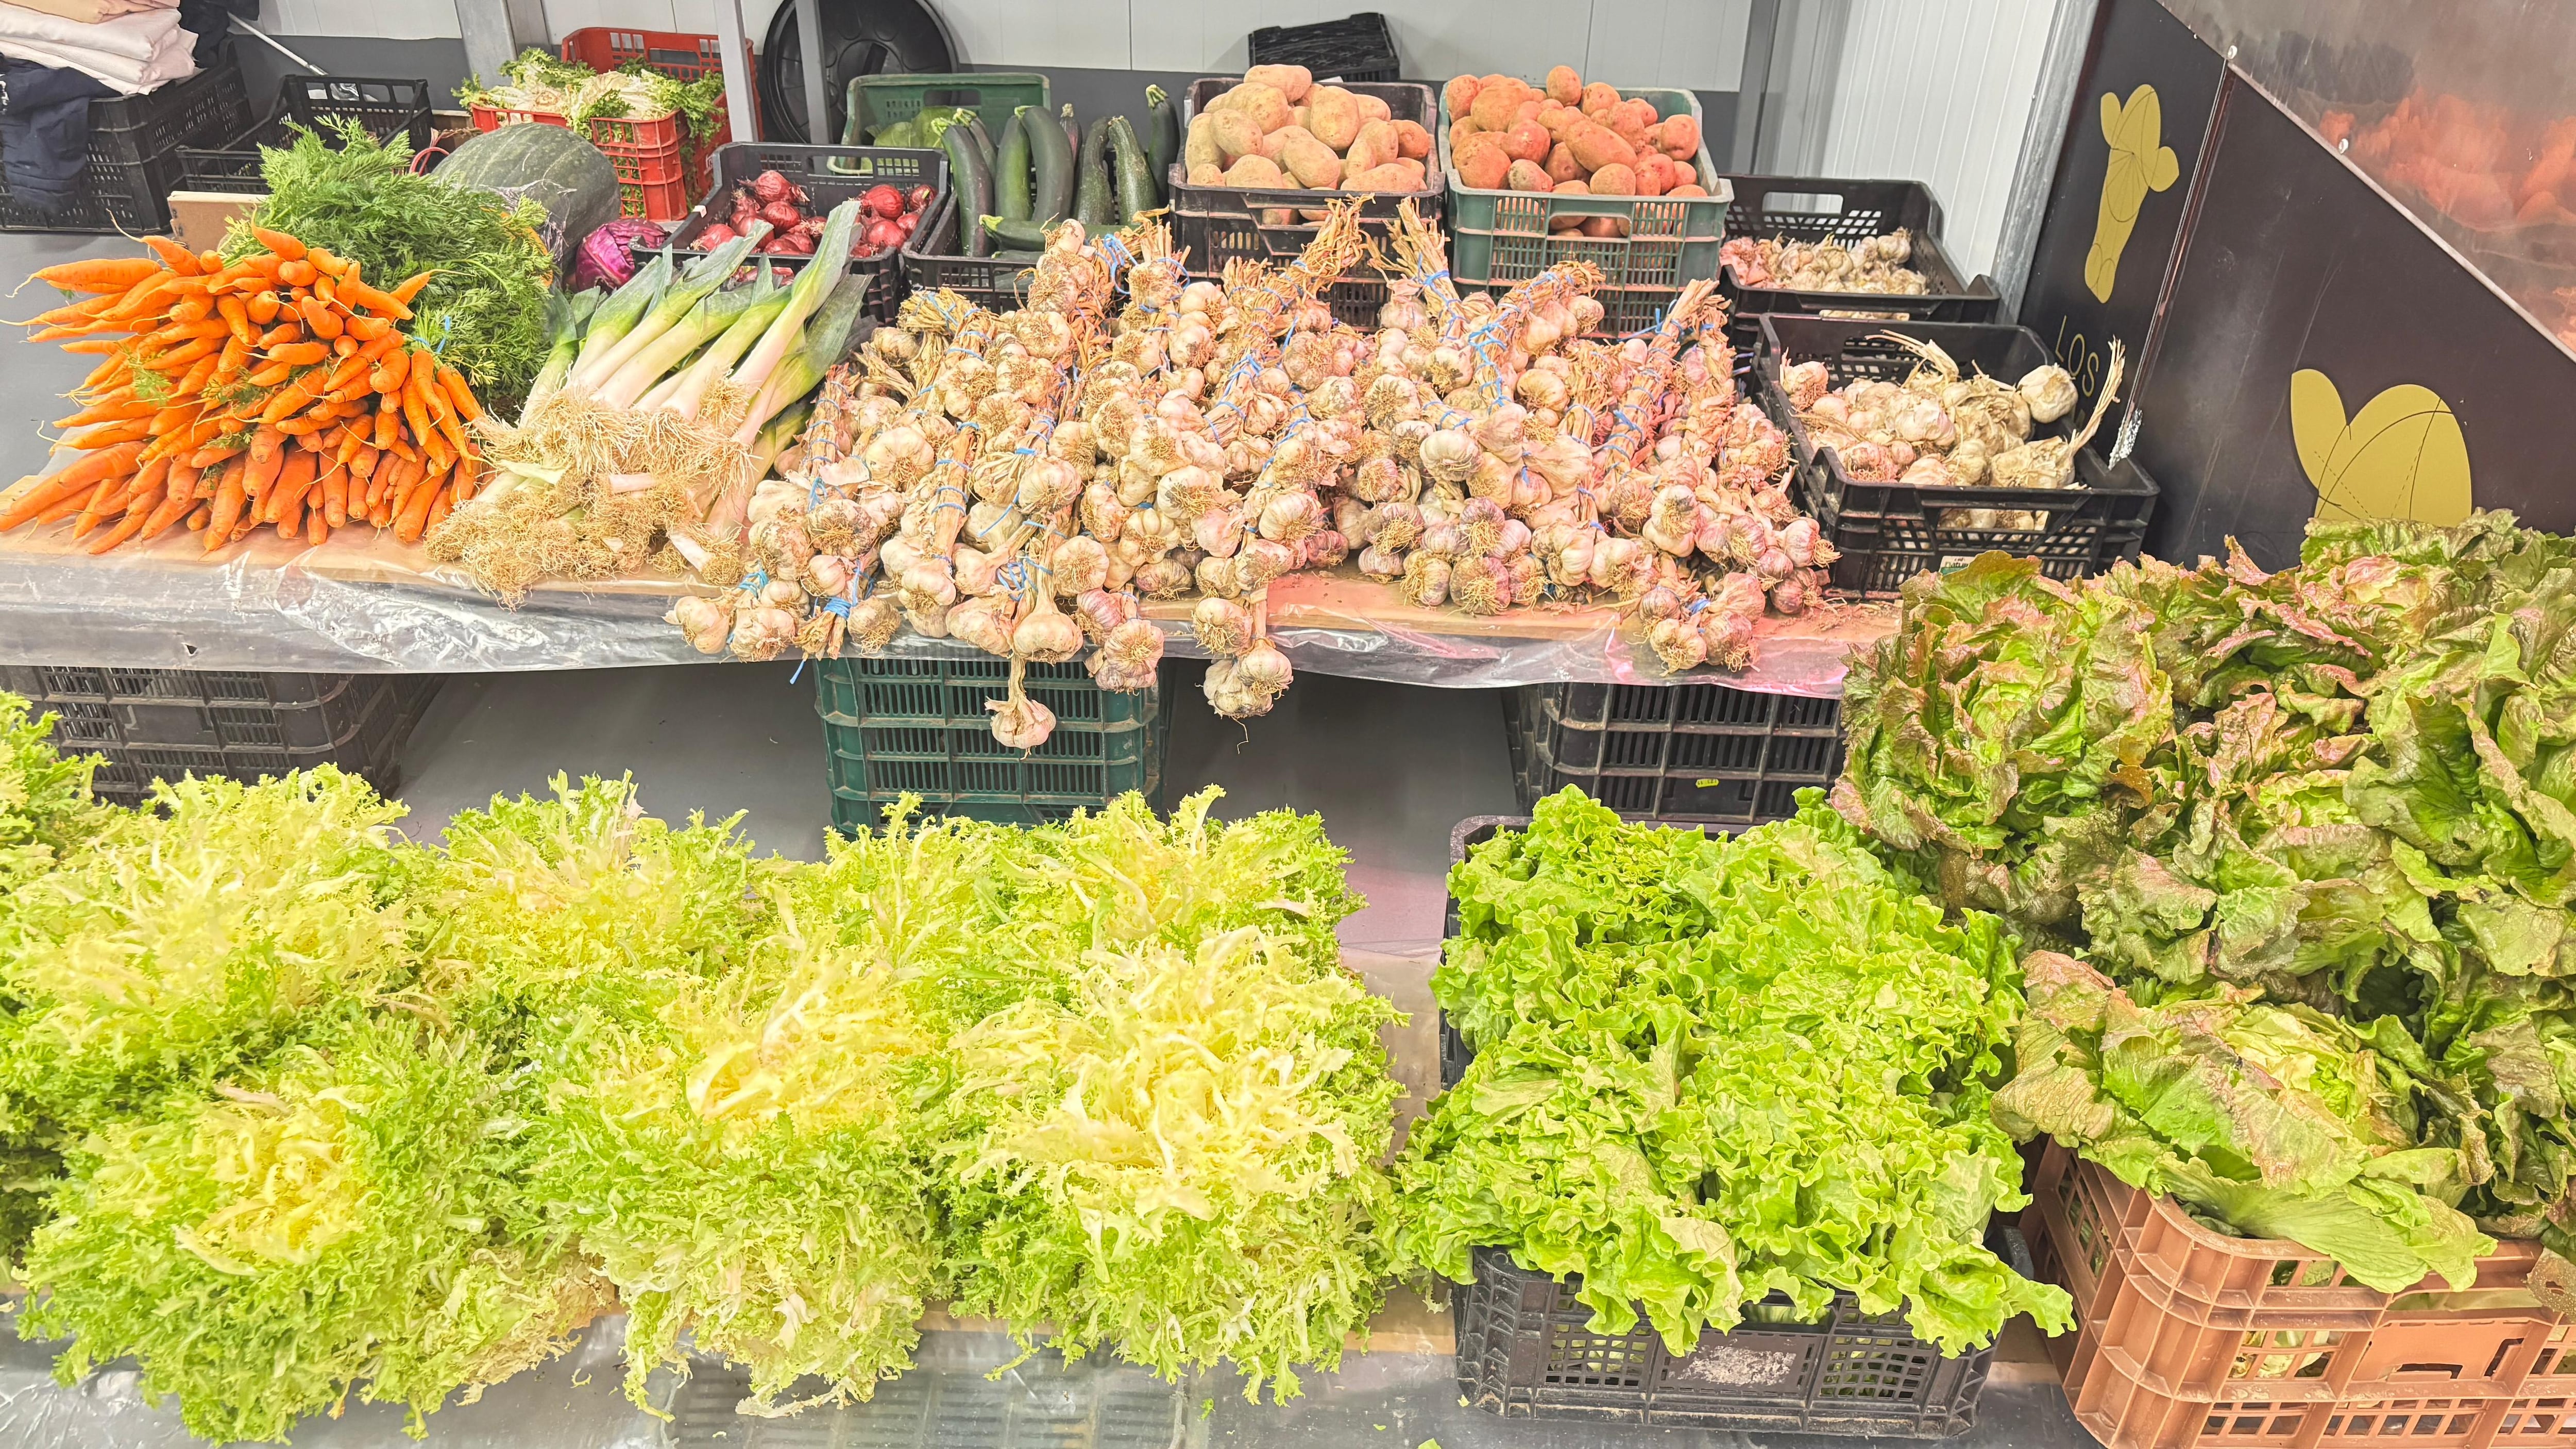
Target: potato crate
{"x":1810,"y":209}
{"x":134,"y":161}
{"x":830,"y":176}
{"x":897,"y":727}
{"x":164,"y":723}
{"x":2189,"y":1338}
{"x":1357,"y":47}
{"x":1889,"y":532}
{"x":1216,"y":224}
{"x":1679,"y":754}
{"x":387,"y":108}
{"x":1526,"y":1348}
{"x":882,"y":100}
{"x":1499,"y":239}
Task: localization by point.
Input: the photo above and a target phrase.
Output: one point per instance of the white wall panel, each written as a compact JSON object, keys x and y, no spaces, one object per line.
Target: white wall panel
{"x":382,"y":19}
{"x":1940,"y":94}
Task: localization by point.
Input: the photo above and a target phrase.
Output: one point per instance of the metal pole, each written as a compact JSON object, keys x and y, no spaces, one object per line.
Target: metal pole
{"x":818,"y":106}
{"x":485,"y":25}
{"x":742,"y":111}
{"x":1761,"y":33}
{"x":2061,"y":65}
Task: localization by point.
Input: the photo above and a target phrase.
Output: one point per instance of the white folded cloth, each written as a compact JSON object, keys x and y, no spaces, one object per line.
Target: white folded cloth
{"x":131,"y":53}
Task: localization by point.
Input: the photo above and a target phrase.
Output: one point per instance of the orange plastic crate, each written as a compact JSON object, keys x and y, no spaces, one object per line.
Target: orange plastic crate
{"x":2189,"y":1338}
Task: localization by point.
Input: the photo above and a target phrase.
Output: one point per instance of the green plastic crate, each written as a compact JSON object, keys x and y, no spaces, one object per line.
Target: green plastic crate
{"x":896,"y":727}
{"x":1498,"y":239}
{"x":882,"y":100}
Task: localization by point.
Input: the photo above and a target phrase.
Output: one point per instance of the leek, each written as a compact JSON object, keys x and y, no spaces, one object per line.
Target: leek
{"x":674,"y":307}
{"x":826,"y":342}
{"x":767,"y":302}
{"x":817,"y":281}
{"x":564,"y":322}
{"x":624,"y":308}
{"x":670,"y":353}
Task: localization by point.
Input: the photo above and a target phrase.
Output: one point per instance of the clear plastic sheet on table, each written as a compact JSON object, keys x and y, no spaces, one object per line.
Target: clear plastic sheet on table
{"x":2464,"y":112}
{"x":352,"y":607}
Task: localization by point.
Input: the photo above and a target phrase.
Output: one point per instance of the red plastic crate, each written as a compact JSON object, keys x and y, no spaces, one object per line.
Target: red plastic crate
{"x":2189,"y":1338}
{"x":662,"y":165}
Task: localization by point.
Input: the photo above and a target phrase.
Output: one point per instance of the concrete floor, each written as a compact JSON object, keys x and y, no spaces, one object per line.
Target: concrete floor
{"x":34,"y":376}
{"x":1389,"y":767}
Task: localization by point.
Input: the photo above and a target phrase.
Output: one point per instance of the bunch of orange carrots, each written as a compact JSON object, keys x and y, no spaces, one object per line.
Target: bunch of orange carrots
{"x":278,"y":390}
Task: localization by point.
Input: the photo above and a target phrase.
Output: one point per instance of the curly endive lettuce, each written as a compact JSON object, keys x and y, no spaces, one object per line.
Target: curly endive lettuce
{"x":2279,"y":1121}
{"x":186,"y":940}
{"x":1772,"y":1079}
{"x":327,"y":1223}
{"x":533,"y":897}
{"x":738,"y":1152}
{"x":45,"y":805}
{"x":1182,"y":1158}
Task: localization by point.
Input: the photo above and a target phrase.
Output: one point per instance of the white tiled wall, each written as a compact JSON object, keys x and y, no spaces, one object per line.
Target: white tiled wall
{"x":1940,"y":93}
{"x":1691,"y":43}
{"x":384,"y":19}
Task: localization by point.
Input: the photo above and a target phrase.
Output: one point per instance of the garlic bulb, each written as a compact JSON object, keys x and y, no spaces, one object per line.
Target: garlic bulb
{"x":1021,"y":722}
{"x":703,"y":622}
{"x":2049,"y":390}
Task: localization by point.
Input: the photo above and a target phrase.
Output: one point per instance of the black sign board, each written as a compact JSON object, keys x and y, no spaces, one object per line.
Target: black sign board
{"x":2123,"y":186}
{"x":2322,"y":356}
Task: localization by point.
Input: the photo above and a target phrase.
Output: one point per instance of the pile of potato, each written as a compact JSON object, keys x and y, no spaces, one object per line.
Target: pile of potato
{"x":1571,"y":138}
{"x":1278,"y":130}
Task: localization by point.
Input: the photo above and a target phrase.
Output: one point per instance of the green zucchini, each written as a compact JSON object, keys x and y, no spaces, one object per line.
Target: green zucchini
{"x":1051,"y":155}
{"x":1092,"y":205}
{"x":1137,"y":193}
{"x":1162,"y":133}
{"x":1011,"y":168}
{"x":1017,"y":235}
{"x":983,"y":139}
{"x":970,"y":180}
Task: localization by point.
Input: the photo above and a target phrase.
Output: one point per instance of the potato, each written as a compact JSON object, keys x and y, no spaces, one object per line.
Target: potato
{"x":1393,"y":178}
{"x":1458,"y":95}
{"x":1605,"y":226}
{"x":1333,"y":114}
{"x":1376,"y":143}
{"x":1561,"y":164}
{"x":1256,"y":171}
{"x":1624,"y":120}
{"x":1484,"y":167}
{"x":1598,"y":98}
{"x":1644,"y":112}
{"x":1597,"y":146}
{"x":1528,"y":176}
{"x":1688,"y":188}
{"x":1272,"y":144}
{"x":1201,"y":149}
{"x":1573,"y":188}
{"x":1412,"y":142}
{"x":1564,"y":86}
{"x":1291,"y":81}
{"x":1310,"y":161}
{"x":1373,"y":108}
{"x":1498,"y":106}
{"x":1297,"y":118}
{"x":1207,"y":173}
{"x":1565,"y":221}
{"x":1560,"y":123}
{"x":1267,"y":107}
{"x":1615,"y":180}
{"x":1237,"y":135}
{"x":1678,"y":137}
{"x":1654,"y":173}
{"x":1527,"y":141}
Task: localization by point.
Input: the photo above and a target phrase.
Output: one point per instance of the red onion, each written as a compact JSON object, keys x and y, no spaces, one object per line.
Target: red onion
{"x":781,"y":214}
{"x":770,"y":186}
{"x":885,"y":201}
{"x":716,"y":235}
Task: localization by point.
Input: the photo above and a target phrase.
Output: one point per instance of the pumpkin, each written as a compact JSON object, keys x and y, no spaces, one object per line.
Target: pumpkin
{"x":549,"y":165}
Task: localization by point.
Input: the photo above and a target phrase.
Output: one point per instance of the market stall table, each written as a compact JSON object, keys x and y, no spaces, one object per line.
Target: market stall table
{"x":379,"y":606}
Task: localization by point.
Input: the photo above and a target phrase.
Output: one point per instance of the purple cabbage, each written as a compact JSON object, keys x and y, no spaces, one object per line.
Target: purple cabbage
{"x":607,"y":257}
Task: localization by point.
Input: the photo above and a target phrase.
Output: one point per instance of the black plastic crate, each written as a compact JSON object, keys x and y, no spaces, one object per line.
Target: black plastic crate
{"x":1214,"y":225}
{"x":1525,"y":1350}
{"x":897,"y":727}
{"x":934,"y":259}
{"x":111,"y":196}
{"x":163,"y":723}
{"x":1675,"y":754}
{"x":1811,"y":209}
{"x":1889,"y":532}
{"x":1357,"y":47}
{"x":387,"y":108}
{"x":204,"y":107}
{"x":830,"y":176}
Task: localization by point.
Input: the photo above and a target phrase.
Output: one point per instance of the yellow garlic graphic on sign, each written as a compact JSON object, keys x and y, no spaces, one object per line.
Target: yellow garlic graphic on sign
{"x":2140,"y":163}
{"x":2401,"y":457}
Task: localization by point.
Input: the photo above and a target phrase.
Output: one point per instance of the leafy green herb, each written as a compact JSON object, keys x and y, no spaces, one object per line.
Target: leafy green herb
{"x":484,"y":313}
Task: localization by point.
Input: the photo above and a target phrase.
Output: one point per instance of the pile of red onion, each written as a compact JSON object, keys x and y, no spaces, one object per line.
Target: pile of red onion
{"x":891,"y":214}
